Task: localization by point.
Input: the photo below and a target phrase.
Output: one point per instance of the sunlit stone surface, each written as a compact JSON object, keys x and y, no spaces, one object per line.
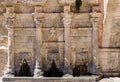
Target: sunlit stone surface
{"x":115,"y":79}
{"x":41,"y":31}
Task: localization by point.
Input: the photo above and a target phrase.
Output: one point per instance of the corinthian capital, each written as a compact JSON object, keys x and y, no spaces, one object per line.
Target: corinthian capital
{"x":94,"y":21}
{"x":38,"y":22}
{"x":67,"y":19}
{"x":10,"y":22}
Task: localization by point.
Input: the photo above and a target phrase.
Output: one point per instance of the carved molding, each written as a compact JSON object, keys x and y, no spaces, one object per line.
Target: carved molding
{"x":38,"y":22}
{"x":39,"y":18}
{"x":94,"y":22}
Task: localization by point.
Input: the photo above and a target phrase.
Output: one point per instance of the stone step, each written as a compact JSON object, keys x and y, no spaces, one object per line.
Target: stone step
{"x":52,"y":79}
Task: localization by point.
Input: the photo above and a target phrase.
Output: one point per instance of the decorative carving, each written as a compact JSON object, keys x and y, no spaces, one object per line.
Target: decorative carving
{"x":67,"y":9}
{"x":94,"y":22}
{"x":9,"y":10}
{"x":10,"y":22}
{"x":67,"y":20}
{"x":53,"y":36}
{"x":38,"y":22}
{"x":52,"y":30}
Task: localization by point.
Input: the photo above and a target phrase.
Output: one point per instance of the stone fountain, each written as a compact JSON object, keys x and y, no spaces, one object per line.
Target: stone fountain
{"x":52,"y":36}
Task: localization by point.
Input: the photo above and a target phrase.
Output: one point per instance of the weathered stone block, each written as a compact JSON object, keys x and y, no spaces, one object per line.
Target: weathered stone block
{"x":96,"y":9}
{"x":3,"y":59}
{"x":66,"y":9}
{"x":24,"y":32}
{"x":24,"y":20}
{"x":67,"y":2}
{"x":53,"y":20}
{"x":83,"y":9}
{"x":95,"y":14}
{"x":109,"y":59}
{"x":24,"y":45}
{"x":93,"y":2}
{"x":23,"y":9}
{"x":81,"y":32}
{"x":25,"y":39}
{"x":2,"y":9}
{"x":38,"y":9}
{"x":81,"y":20}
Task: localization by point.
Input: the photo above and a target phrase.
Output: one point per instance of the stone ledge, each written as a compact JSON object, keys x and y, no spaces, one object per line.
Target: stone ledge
{"x":109,"y":50}
{"x":52,"y":79}
{"x":111,"y":79}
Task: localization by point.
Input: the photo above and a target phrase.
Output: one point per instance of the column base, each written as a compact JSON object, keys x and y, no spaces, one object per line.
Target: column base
{"x":38,"y":72}
{"x":67,"y":75}
{"x":9,"y":72}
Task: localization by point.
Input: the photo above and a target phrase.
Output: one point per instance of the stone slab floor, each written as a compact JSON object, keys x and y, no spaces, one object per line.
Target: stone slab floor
{"x":115,"y":79}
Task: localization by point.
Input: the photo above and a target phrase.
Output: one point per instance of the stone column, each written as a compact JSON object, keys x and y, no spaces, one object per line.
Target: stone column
{"x":94,"y":46}
{"x":38,"y":18}
{"x":9,"y":24}
{"x":67,"y":18}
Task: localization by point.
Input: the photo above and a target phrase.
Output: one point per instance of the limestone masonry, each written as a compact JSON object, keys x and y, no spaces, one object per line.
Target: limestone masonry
{"x":41,"y":31}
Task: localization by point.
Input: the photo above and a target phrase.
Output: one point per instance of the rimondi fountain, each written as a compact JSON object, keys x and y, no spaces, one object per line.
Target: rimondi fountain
{"x":49,"y":39}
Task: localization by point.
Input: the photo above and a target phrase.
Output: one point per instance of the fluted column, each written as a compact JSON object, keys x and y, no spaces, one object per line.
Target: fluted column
{"x":38,"y":18}
{"x":67,"y":18}
{"x":9,"y":24}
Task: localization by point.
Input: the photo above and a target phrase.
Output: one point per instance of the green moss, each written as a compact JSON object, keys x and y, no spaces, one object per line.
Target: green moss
{"x":78,"y":4}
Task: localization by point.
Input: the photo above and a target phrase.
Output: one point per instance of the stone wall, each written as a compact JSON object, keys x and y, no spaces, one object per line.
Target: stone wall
{"x":109,"y":61}
{"x":24,"y":46}
{"x":111,"y":30}
{"x":110,"y":51}
{"x":47,"y":30}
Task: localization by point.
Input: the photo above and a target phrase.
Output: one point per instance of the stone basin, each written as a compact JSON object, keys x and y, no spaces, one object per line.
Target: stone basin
{"x":51,"y":79}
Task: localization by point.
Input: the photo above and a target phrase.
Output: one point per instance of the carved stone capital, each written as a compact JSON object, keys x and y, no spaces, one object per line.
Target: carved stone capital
{"x":10,"y":22}
{"x":38,"y":18}
{"x":38,"y":22}
{"x":67,"y":20}
{"x":9,"y":10}
{"x":67,"y":9}
{"x":94,"y":21}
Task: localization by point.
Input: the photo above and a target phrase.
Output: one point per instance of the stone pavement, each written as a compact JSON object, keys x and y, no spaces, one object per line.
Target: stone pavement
{"x":115,"y":79}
